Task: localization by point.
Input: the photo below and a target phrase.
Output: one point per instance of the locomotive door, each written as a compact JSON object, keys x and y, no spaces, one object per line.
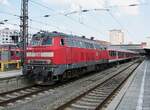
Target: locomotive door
{"x":69,"y":55}
{"x":68,"y":49}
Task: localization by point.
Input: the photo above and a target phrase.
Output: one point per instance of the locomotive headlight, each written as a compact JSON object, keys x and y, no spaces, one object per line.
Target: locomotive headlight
{"x":29,"y":61}
{"x":49,"y":61}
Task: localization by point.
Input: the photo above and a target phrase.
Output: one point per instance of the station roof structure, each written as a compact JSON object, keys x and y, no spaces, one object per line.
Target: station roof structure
{"x":133,"y":47}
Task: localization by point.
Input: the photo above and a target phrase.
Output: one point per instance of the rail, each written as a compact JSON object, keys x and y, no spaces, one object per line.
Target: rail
{"x":94,"y":98}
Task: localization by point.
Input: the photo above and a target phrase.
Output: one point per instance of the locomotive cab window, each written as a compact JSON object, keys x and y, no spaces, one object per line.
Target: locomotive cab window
{"x":62,"y":42}
{"x":47,"y":41}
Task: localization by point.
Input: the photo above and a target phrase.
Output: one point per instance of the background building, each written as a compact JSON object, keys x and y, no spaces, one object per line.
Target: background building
{"x":143,"y":44}
{"x":116,"y":37}
{"x":133,"y":47}
{"x":11,"y":36}
{"x":8,"y":36}
{"x":103,"y":42}
{"x":148,"y":42}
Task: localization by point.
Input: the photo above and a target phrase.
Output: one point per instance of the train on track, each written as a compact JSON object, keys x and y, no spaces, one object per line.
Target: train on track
{"x":55,"y":56}
{"x":10,"y":57}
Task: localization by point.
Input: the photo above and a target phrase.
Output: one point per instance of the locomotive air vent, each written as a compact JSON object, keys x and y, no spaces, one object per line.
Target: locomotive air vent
{"x":83,"y":36}
{"x":54,"y":32}
{"x":92,"y":38}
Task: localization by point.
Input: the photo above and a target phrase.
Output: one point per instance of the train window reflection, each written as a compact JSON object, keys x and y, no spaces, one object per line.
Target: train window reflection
{"x":47,"y":41}
{"x":41,"y":41}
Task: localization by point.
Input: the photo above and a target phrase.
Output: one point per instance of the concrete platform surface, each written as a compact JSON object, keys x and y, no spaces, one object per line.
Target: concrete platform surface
{"x":137,"y":95}
{"x":12,"y":73}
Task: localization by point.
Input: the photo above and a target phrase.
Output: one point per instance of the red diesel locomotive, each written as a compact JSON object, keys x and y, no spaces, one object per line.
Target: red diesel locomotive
{"x":57,"y":56}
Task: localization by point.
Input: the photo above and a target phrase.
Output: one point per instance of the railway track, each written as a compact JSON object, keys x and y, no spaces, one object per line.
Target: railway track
{"x":97,"y":96}
{"x":8,"y":98}
{"x":10,"y":83}
{"x":16,"y":96}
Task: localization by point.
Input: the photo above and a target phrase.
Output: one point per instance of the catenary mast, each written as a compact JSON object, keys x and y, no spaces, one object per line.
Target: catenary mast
{"x":24,"y":28}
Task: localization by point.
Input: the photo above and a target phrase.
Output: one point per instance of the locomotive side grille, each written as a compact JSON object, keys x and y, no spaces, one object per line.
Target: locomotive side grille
{"x":38,"y":62}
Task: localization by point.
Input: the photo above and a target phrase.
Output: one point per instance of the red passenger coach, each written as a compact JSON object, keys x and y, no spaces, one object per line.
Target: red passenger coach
{"x":9,"y":53}
{"x":118,"y":55}
{"x":9,"y":57}
{"x":57,"y":56}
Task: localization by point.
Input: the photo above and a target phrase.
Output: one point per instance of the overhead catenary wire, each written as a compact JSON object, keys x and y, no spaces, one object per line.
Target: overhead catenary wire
{"x":116,"y":20}
{"x":37,"y":3}
{"x":35,"y":21}
{"x":48,"y":24}
{"x":39,"y":22}
{"x":85,"y":25}
{"x":15,"y":24}
{"x":119,"y":23}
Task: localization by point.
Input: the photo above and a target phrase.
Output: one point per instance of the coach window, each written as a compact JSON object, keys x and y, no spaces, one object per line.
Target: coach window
{"x":74,"y":43}
{"x":83,"y":44}
{"x":69,"y":42}
{"x":92,"y":46}
{"x":89,"y":45}
{"x":100,"y":47}
{"x":97,"y":46}
{"x":62,"y":42}
{"x":78,"y":43}
{"x":114,"y":53}
{"x":86,"y":45}
{"x":104,"y":48}
{"x":110,"y":53}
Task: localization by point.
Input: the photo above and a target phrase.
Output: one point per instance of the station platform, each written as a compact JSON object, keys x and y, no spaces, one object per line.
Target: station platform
{"x":8,"y":74}
{"x":7,"y":65}
{"x":135,"y":94}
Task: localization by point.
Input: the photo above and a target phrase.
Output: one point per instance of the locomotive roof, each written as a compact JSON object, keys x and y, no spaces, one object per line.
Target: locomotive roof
{"x":55,"y":34}
{"x":51,"y":34}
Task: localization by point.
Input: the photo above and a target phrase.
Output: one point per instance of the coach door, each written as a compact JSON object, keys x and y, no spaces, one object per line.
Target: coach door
{"x":68,"y":55}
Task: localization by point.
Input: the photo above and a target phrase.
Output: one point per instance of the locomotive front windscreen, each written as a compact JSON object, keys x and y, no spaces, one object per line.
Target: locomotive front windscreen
{"x":36,"y":41}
